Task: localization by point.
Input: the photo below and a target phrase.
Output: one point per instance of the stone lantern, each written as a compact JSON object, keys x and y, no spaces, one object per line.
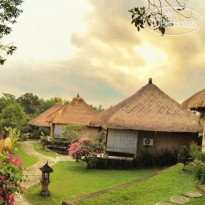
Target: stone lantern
{"x":45,"y":180}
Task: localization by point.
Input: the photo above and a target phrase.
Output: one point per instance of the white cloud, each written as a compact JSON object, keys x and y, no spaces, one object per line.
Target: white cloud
{"x":67,"y":47}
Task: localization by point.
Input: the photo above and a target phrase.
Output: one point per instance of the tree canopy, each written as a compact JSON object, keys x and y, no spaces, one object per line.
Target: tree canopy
{"x":15,"y":113}
{"x":9,"y":11}
{"x":30,"y":103}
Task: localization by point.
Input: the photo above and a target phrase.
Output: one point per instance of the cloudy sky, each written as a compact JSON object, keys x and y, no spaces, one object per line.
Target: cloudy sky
{"x":89,"y":47}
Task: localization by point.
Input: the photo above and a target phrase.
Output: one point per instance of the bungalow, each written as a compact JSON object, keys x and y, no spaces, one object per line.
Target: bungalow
{"x":148,"y":119}
{"x":77,"y":112}
{"x":197,"y":102}
{"x":41,"y":120}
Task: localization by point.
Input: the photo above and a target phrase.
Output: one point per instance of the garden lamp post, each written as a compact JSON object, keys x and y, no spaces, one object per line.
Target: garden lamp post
{"x":197,"y":103}
{"x":45,"y":180}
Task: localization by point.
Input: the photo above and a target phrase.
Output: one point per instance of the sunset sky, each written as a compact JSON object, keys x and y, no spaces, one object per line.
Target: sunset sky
{"x":89,"y":47}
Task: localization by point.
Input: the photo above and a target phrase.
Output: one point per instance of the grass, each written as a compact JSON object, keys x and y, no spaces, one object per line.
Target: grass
{"x":71,"y":179}
{"x":27,"y":160}
{"x":160,"y":188}
{"x":38,"y":148}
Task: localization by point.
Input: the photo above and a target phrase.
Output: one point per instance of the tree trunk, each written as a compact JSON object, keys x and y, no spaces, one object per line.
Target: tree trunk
{"x":203,"y":139}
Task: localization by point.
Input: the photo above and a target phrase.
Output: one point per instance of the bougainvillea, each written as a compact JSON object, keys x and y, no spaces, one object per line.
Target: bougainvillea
{"x":11,"y":175}
{"x":86,"y":149}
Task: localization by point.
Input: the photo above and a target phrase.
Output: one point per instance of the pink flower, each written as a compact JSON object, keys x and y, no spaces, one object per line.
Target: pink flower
{"x":11,"y":156}
{"x":11,"y":200}
{"x":20,"y":164}
{"x":17,"y":159}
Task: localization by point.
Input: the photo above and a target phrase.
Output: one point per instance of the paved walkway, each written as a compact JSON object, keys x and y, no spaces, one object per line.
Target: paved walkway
{"x":33,"y":172}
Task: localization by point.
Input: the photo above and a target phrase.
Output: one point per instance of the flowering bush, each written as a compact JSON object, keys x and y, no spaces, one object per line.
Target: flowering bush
{"x":11,"y":175}
{"x":86,"y":150}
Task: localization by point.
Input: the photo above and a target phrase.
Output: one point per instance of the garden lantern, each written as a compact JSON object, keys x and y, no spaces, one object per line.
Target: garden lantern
{"x":45,"y":180}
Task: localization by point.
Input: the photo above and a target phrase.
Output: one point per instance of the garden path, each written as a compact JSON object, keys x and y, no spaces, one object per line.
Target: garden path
{"x":33,"y":172}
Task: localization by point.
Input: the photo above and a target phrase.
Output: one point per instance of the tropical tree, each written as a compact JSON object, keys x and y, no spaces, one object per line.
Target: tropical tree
{"x":9,"y":97}
{"x":3,"y":103}
{"x":99,"y":108}
{"x":30,"y":103}
{"x":13,"y":116}
{"x":9,"y":11}
{"x":45,"y":104}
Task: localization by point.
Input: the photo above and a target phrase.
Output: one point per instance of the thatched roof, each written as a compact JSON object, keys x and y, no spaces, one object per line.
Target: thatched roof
{"x":195,"y":102}
{"x":76,"y":112}
{"x":41,"y":120}
{"x":102,"y":118}
{"x":149,"y":109}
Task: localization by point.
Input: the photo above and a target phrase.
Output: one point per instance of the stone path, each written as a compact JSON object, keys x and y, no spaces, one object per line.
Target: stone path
{"x":179,"y":199}
{"x":193,"y":194}
{"x":183,"y":199}
{"x":33,"y":172}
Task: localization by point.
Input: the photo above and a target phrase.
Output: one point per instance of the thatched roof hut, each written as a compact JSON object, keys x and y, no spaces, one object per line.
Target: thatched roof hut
{"x":149,"y":109}
{"x":76,"y":112}
{"x":195,"y":102}
{"x":41,"y":120}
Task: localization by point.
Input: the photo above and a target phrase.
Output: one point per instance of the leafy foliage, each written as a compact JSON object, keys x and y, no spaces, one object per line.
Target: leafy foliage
{"x":11,"y":175}
{"x":14,"y":135}
{"x":30,"y":103}
{"x":153,"y":14}
{"x":196,"y":152}
{"x":8,"y":14}
{"x":184,"y":156}
{"x":198,"y":163}
{"x":13,"y":116}
{"x":99,"y":108}
{"x":155,"y":158}
{"x":86,"y":150}
{"x":199,"y":170}
{"x":45,"y":139}
{"x":72,"y":132}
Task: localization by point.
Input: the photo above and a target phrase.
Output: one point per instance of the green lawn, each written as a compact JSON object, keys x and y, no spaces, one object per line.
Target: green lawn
{"x":27,"y":160}
{"x":160,"y":188}
{"x":71,"y":179}
{"x":38,"y":148}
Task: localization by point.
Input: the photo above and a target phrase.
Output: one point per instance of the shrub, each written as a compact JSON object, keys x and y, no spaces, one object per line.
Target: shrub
{"x":24,"y":136}
{"x":184,"y":156}
{"x":13,"y":137}
{"x":153,"y":158}
{"x":45,"y":140}
{"x":13,"y":115}
{"x":11,"y":175}
{"x":86,"y":150}
{"x":198,"y":163}
{"x":196,"y":152}
{"x":199,"y":170}
{"x":72,"y":132}
{"x":36,"y":132}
